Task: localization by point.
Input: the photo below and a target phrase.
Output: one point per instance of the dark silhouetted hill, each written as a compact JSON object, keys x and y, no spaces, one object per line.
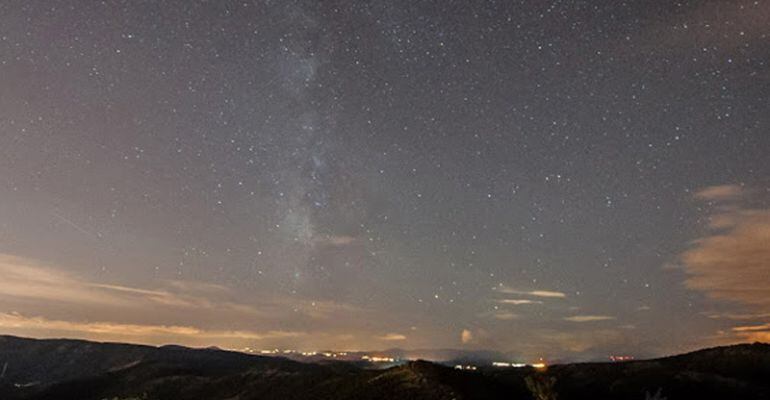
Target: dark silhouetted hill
{"x":74,"y":369}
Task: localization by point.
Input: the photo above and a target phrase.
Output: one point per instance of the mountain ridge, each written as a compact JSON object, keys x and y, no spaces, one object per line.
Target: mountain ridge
{"x":41,"y":369}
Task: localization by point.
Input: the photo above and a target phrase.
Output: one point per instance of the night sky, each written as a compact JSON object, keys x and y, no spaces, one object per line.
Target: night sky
{"x":566,"y":179}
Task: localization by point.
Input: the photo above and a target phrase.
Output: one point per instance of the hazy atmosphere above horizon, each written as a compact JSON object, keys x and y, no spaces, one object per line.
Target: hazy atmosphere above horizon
{"x":561,"y":179}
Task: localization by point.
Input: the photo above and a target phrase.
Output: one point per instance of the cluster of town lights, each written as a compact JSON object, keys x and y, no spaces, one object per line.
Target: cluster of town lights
{"x":500,"y":364}
{"x":379,"y":359}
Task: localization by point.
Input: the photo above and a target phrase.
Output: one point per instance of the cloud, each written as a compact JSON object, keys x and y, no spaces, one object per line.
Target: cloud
{"x":201,"y":287}
{"x":35,"y":289}
{"x":742,"y":333}
{"x":499,"y":315}
{"x":737,"y":316}
{"x":719,"y":192}
{"x":546,"y":293}
{"x":392,"y":337}
{"x":752,"y":328}
{"x":54,"y":302}
{"x":732,"y":263}
{"x":588,"y":318}
{"x":119,"y":330}
{"x":156,"y":296}
{"x":27,"y":279}
{"x":466,"y":336}
{"x":517,"y":302}
{"x":761,"y":336}
{"x":536,"y":293}
{"x":505,"y":316}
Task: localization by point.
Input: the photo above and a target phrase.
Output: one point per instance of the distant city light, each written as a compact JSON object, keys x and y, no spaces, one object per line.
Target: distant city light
{"x":376,"y":359}
{"x":502,"y":364}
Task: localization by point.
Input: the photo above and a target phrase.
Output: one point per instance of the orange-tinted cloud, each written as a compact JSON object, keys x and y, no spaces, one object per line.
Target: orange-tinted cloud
{"x":517,"y":302}
{"x":466,"y":336}
{"x":118,"y":330}
{"x":734,"y":263}
{"x":53,"y":302}
{"x":752,"y":328}
{"x":505,"y":316}
{"x":741,"y":334}
{"x":588,"y":318}
{"x":27,"y":279}
{"x":392,"y":337}
{"x":719,"y":192}
{"x":758,"y":336}
{"x":42,"y":285}
{"x":737,"y":316}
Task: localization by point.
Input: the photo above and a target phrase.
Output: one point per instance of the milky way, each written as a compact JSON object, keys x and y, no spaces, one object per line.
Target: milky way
{"x":562,"y":179}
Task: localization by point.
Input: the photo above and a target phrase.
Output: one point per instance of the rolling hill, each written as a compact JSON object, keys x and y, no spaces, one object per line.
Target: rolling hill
{"x":62,"y":369}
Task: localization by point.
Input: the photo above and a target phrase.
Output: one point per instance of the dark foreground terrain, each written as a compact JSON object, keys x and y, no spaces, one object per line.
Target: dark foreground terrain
{"x":71,"y":369}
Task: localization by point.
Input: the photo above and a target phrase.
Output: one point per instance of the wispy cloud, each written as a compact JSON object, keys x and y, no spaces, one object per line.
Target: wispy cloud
{"x":392,"y":337}
{"x":25,"y":279}
{"x":28,"y":279}
{"x":505,"y":316}
{"x":119,"y":330}
{"x":752,"y":328}
{"x":742,"y":333}
{"x":501,"y":315}
{"x":732,"y":263}
{"x":719,"y":192}
{"x":517,"y":302}
{"x":547,"y":293}
{"x":36,"y":288}
{"x":535,"y":293}
{"x":737,"y":316}
{"x":589,"y":318}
